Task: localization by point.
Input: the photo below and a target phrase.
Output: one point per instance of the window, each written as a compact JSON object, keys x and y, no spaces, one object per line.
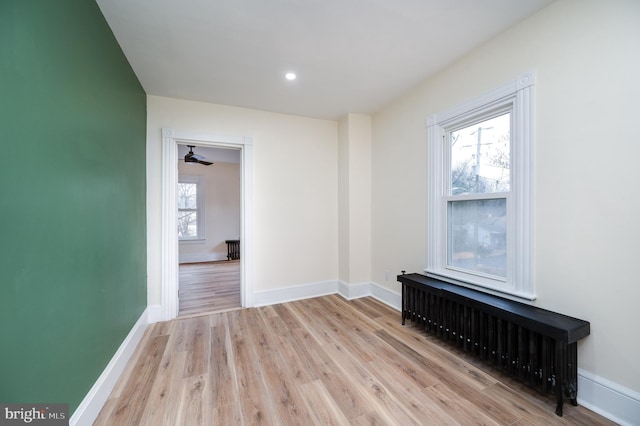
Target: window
{"x":479,"y":191}
{"x":190,"y":210}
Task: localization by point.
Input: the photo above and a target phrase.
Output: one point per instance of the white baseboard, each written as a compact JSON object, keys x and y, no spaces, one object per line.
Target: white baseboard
{"x":201,"y":257}
{"x":90,"y":407}
{"x":154,"y":313}
{"x":306,"y":291}
{"x":354,"y":291}
{"x":609,"y":399}
{"x":387,"y":296}
{"x":348,"y":291}
{"x":299,"y":292}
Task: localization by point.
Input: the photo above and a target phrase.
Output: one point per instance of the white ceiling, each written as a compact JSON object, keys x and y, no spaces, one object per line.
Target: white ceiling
{"x":350,"y":55}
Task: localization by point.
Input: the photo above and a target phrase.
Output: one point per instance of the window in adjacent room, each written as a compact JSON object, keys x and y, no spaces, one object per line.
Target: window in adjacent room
{"x":190,"y":210}
{"x":479,"y":193}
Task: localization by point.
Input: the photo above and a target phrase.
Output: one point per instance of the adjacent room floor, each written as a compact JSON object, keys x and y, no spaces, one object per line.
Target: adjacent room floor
{"x":209,"y":287}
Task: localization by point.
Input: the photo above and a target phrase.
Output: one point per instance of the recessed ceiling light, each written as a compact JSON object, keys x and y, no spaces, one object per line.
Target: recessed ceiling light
{"x":290,"y":76}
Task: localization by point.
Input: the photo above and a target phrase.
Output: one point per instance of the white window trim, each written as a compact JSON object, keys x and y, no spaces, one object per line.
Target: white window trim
{"x":201,"y":237}
{"x":518,"y":93}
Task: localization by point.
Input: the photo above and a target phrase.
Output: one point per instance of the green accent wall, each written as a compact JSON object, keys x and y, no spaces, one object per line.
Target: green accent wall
{"x":72,"y":199}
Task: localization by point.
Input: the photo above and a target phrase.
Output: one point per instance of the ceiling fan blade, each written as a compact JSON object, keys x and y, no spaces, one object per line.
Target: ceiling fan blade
{"x":195,"y":158}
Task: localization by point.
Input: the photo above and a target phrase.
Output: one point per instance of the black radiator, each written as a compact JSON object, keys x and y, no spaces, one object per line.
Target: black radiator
{"x":536,"y":346}
{"x":233,"y":249}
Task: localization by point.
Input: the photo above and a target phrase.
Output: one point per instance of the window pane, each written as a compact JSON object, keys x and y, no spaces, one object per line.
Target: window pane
{"x":480,"y":157}
{"x":187,"y":195}
{"x":187,"y":224}
{"x":477,"y":236}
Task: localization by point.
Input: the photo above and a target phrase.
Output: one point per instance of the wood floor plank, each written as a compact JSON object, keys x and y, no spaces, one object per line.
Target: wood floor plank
{"x":228,"y":414}
{"x":106,"y":413}
{"x":321,"y":404}
{"x":150,"y":332}
{"x":133,"y":400}
{"x":208,"y":287}
{"x":286,"y":354}
{"x":371,"y":387}
{"x":164,"y":399}
{"x":411,"y":399}
{"x":360,"y":332}
{"x":319,"y":333}
{"x":286,"y":316}
{"x":456,"y":408}
{"x":306,"y":358}
{"x":276,"y":372}
{"x":322,"y":361}
{"x":371,"y":308}
{"x":255,"y":408}
{"x":445,"y":369}
{"x":372,"y":418}
{"x":516,"y":403}
{"x":197,"y":345}
{"x":193,"y":409}
{"x":404,"y":368}
{"x":222,"y":372}
{"x":346,"y":396}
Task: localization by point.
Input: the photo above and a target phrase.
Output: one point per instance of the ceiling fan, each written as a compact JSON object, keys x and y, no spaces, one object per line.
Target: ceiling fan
{"x":195,"y":158}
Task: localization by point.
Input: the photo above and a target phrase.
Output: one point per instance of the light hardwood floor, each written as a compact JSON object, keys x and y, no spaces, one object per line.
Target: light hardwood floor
{"x":322,"y":361}
{"x":208,"y":287}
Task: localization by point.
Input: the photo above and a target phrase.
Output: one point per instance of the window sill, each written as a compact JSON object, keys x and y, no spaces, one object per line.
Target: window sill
{"x":506,"y":293}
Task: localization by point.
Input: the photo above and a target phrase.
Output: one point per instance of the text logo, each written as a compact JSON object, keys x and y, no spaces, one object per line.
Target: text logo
{"x":34,"y":414}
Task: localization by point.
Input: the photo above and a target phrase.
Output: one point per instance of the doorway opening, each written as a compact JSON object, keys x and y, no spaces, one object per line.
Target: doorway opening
{"x":208,"y":198}
{"x":171,"y":141}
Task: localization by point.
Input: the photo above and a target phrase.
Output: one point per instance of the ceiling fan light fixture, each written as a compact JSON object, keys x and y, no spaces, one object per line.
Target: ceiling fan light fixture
{"x":195,"y":158}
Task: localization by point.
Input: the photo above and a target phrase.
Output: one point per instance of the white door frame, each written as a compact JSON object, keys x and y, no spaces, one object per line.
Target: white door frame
{"x":169,"y":239}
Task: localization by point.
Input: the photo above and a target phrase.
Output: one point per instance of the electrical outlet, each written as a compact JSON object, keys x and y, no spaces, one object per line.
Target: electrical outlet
{"x":386,"y":275}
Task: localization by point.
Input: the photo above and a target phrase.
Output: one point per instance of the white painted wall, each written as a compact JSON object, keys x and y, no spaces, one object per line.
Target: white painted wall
{"x":355,"y":198}
{"x":295,"y":181}
{"x":343,"y":199}
{"x":587,"y":146}
{"x":221,"y":184}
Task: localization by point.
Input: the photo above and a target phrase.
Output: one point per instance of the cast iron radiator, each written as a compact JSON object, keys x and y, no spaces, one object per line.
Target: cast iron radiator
{"x":536,"y":346}
{"x":233,"y":249}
